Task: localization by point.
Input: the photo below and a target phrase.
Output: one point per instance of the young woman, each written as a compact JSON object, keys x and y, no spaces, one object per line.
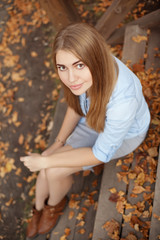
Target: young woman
{"x":107,"y":118}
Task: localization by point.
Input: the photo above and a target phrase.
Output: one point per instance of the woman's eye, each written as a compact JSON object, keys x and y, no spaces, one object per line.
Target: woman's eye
{"x":80,"y":65}
{"x":62,"y":68}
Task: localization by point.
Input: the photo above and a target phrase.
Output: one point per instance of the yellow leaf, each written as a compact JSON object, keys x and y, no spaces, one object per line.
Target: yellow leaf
{"x":34,"y":54}
{"x":153,"y":152}
{"x":10,"y":166}
{"x":20,"y":99}
{"x":14,"y":116}
{"x":119,"y":163}
{"x":16,"y":77}
{"x":113,"y":190}
{"x":11,"y":61}
{"x":139,"y":38}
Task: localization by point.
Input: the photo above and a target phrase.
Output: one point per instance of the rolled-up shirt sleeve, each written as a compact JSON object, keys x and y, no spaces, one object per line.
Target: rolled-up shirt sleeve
{"x":119,"y":118}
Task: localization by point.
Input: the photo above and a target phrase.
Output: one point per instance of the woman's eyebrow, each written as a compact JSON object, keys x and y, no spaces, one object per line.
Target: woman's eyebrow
{"x":58,"y":64}
{"x":76,"y":62}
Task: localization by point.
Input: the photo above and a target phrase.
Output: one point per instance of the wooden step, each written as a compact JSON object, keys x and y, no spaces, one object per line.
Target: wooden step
{"x":155,"y":220}
{"x":132,"y":51}
{"x":153,"y":60}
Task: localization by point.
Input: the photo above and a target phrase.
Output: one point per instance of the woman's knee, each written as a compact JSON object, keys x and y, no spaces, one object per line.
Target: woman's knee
{"x":59,"y":173}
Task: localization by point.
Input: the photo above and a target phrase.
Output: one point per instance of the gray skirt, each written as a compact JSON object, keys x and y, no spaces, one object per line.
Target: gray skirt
{"x":83,"y":136}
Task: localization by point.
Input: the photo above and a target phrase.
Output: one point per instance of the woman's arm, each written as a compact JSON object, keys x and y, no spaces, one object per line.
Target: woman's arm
{"x":69,"y":123}
{"x":68,"y":158}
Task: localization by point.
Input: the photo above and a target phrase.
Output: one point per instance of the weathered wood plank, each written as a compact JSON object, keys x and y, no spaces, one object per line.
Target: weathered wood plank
{"x":134,"y":51}
{"x":153,"y":60}
{"x":155,"y":222}
{"x":126,"y":229}
{"x":106,"y":210}
{"x":60,"y":12}
{"x":148,"y":21}
{"x":58,"y":117}
{"x":113,"y":16}
{"x":86,"y":195}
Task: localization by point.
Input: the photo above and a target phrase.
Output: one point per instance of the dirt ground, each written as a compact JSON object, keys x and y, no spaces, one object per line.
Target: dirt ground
{"x":27,"y":100}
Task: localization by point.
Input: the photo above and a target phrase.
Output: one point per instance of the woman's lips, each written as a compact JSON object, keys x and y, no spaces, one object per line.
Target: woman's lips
{"x":76,"y":87}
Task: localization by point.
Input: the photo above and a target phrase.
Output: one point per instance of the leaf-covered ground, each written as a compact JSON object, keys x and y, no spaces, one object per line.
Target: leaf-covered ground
{"x":28,"y":94}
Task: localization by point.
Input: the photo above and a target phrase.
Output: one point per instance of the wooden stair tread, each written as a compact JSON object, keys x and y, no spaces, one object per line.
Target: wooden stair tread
{"x":106,"y":211}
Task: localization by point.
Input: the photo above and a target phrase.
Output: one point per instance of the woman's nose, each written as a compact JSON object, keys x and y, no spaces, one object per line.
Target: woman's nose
{"x":71,"y":76}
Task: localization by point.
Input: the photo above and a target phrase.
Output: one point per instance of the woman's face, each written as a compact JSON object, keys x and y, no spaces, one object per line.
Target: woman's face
{"x":73,"y":72}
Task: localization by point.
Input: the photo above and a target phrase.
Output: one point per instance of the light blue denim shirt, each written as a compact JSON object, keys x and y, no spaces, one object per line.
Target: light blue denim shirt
{"x":127,"y":114}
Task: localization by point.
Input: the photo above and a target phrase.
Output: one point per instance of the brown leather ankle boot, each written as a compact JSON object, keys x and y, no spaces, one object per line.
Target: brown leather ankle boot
{"x":32,"y":228}
{"x":50,"y":216}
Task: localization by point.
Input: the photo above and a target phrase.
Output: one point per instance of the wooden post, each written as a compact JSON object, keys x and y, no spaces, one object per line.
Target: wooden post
{"x":60,"y":12}
{"x":113,"y":16}
{"x":133,"y":50}
{"x":150,"y":20}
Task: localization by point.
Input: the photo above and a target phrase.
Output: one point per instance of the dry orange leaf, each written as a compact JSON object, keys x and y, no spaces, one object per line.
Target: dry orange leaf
{"x":112,"y":227}
{"x":156,"y":216}
{"x":127,"y":218}
{"x":113,"y":190}
{"x":81,"y":231}
{"x":138,"y":189}
{"x":30,"y":83}
{"x":21,"y":139}
{"x":80,"y":224}
{"x":17,"y":77}
{"x":67,"y":231}
{"x":71,"y":215}
{"x":114,"y":197}
{"x":119,"y":163}
{"x":14,"y":117}
{"x":140,"y":178}
{"x":47,"y":64}
{"x":81,"y":216}
{"x":11,"y":61}
{"x":9,"y":202}
{"x":120,"y":206}
{"x":153,"y":152}
{"x":74,"y":204}
{"x":139,"y":38}
{"x":34,"y":54}
{"x":19,"y":185}
{"x":131,"y":236}
{"x":23,"y":42}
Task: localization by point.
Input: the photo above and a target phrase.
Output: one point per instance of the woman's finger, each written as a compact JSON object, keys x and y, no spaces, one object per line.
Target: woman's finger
{"x":23,"y":159}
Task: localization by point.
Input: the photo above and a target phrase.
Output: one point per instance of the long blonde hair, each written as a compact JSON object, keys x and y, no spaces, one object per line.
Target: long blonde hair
{"x":90,"y":47}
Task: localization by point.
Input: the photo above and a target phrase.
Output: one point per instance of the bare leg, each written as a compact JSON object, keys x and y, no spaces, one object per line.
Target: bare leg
{"x":42,"y":190}
{"x":59,"y":182}
{"x":54,"y":183}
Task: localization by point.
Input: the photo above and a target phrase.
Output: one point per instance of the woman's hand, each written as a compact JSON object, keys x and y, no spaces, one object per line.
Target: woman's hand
{"x":34,"y":162}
